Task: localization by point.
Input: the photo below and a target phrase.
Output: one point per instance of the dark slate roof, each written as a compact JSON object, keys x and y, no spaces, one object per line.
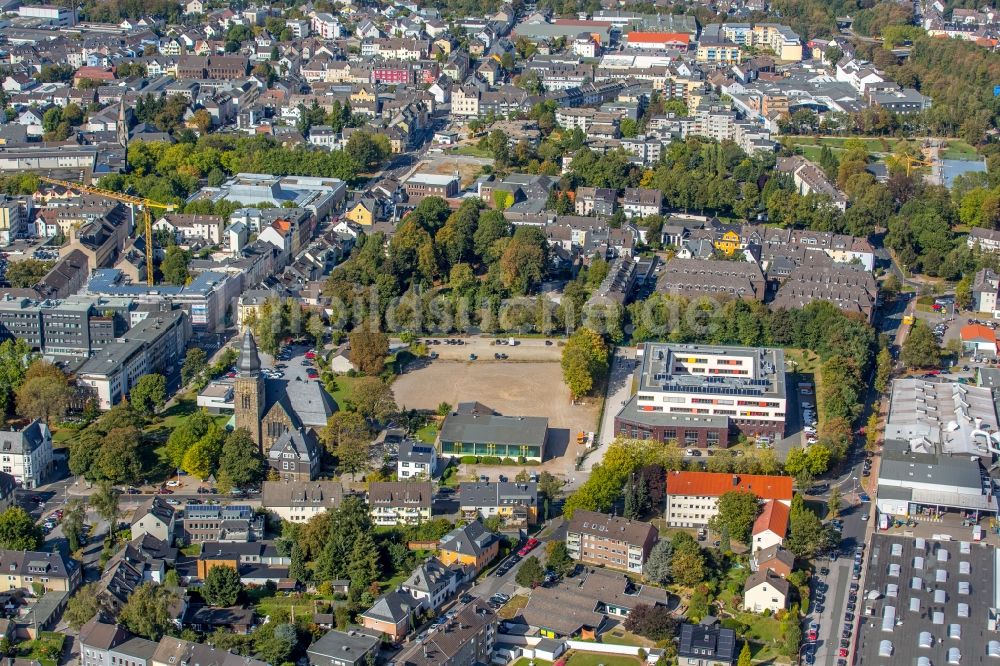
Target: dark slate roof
{"x":249,"y":360}
{"x":392,"y":607}
{"x":471,"y":539}
{"x":480,"y":428}
{"x":347,"y":646}
{"x":701,"y":641}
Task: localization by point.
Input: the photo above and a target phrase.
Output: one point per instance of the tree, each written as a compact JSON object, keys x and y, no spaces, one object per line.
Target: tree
{"x":15,"y":356}
{"x":368,"y":150}
{"x":276,"y":645}
{"x":45,"y":394}
{"x":883,"y":369}
{"x":297,"y":569}
{"x":833,"y":503}
{"x":222,"y":586}
{"x":82,"y":606}
{"x":807,"y":535}
{"x":202,"y":459}
{"x":920,"y":348}
{"x":18,"y":531}
{"x":316,"y":327}
{"x":658,"y":564}
{"x":369,"y":348}
{"x":105,"y":503}
{"x":688,"y":567}
{"x":363,"y":568}
{"x":148,"y":394}
{"x":241,"y":464}
{"x":72,"y":524}
{"x":737,"y":511}
{"x":374,"y":399}
{"x":195,"y":362}
{"x":745,"y":658}
{"x":118,"y":458}
{"x":201,"y":120}
{"x":872,"y":432}
{"x":530,"y":573}
{"x":654,"y":622}
{"x":175,"y":265}
{"x":27,"y":273}
{"x":584,"y":361}
{"x":557,"y":557}
{"x":147,"y":611}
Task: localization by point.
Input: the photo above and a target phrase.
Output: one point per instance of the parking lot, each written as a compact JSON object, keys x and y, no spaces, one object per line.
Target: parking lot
{"x":487,"y":348}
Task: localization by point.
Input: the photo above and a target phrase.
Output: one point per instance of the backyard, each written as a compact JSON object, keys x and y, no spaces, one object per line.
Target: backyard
{"x":46,"y":649}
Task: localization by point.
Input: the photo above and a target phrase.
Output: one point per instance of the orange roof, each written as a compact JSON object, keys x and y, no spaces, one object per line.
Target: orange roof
{"x":978,"y":332}
{"x":657,"y":37}
{"x":774,"y":517}
{"x":714,"y":484}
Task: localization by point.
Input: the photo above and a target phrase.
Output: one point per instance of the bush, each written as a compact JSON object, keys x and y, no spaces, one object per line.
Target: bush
{"x":470,"y":460}
{"x":508,"y":461}
{"x":490,"y":460}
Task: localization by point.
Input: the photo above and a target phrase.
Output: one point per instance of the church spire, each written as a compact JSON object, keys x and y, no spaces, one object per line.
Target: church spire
{"x":249,"y":361}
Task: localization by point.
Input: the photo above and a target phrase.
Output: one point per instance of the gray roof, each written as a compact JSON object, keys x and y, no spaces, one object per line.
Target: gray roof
{"x":349,"y":646}
{"x":400,"y":493}
{"x":413,"y":451}
{"x":493,"y":429}
{"x":429,"y":576}
{"x":302,"y":493}
{"x":392,"y":607}
{"x":307,"y":401}
{"x":298,"y":442}
{"x":957,"y":473}
{"x":23,"y":442}
{"x":249,"y":361}
{"x":710,"y":642}
{"x":157,"y":507}
{"x":471,"y":539}
{"x":631,"y":413}
{"x":606,"y":526}
{"x":138,"y":649}
{"x":498,"y":494}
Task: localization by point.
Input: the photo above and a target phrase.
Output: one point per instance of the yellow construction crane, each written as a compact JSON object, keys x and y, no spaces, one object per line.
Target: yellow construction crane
{"x":144,"y":204}
{"x":911,"y":160}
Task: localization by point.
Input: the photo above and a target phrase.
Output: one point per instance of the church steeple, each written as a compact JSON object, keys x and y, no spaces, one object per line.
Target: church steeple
{"x":249,"y":393}
{"x":249,"y":362}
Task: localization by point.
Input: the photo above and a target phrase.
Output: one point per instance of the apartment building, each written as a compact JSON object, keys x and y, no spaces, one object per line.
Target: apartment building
{"x":692,"y":498}
{"x":610,"y":541}
{"x":24,"y":568}
{"x":298,"y":501}
{"x":421,"y":185}
{"x":713,"y":278}
{"x":26,"y":454}
{"x":468,"y":638}
{"x":190,"y":228}
{"x":155,"y":344}
{"x":212,"y":522}
{"x":517,"y":503}
{"x":400,"y":502}
{"x":641,"y":202}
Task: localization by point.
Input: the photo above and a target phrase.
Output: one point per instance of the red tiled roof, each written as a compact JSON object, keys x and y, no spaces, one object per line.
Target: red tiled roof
{"x":774,"y":517}
{"x":714,"y":484}
{"x":978,"y":332}
{"x":657,"y":37}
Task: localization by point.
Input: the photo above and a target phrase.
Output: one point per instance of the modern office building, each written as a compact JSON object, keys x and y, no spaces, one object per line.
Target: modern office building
{"x":696,"y":395}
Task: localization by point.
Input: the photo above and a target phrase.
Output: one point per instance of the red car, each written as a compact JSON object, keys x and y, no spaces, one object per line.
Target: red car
{"x":529,"y":545}
{"x":811,"y":635}
{"x":310,"y":355}
{"x":842,"y":652}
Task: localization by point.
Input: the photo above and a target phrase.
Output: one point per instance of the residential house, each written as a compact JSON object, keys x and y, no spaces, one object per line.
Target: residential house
{"x":232,"y":620}
{"x":400,"y":502}
{"x":299,"y":501}
{"x":595,"y":201}
{"x":641,"y":202}
{"x":390,"y":615}
{"x":985,"y":290}
{"x":707,"y":643}
{"x":214,"y":522}
{"x":470,"y":545}
{"x":155,"y":517}
{"x":189,"y":228}
{"x":343,"y":648}
{"x":610,"y":541}
{"x":416,"y":460}
{"x":516,"y":503}
{"x":174,"y":651}
{"x":295,"y":456}
{"x":716,"y":278}
{"x":467,"y":638}
{"x":97,"y":639}
{"x":256,"y":561}
{"x":771,"y":526}
{"x":775,"y":558}
{"x":582,"y":606}
{"x":765,"y":591}
{"x":26,"y":454}
{"x":432,"y":583}
{"x":24,"y":568}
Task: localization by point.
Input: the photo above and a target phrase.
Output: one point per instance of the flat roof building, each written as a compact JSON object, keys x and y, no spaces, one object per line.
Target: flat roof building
{"x":494,"y":435}
{"x":696,"y":394}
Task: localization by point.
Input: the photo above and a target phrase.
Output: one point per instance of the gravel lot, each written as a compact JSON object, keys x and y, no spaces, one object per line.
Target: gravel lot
{"x":511,"y":388}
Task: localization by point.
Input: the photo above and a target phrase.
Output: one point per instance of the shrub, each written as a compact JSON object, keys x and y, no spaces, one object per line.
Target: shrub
{"x":490,"y":460}
{"x":470,"y":460}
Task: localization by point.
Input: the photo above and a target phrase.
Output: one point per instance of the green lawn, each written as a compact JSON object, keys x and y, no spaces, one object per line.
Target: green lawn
{"x":345,"y":389}
{"x":959,"y":150}
{"x":513,"y":607}
{"x":46,"y":649}
{"x":471,"y":151}
{"x":524,"y":661}
{"x":428,"y":434}
{"x":619,"y":636}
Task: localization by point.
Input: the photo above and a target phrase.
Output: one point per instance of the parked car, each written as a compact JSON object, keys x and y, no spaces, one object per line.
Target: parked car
{"x":529,"y":545}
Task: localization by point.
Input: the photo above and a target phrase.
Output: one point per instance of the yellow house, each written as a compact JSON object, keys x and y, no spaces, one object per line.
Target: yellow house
{"x":363,"y":95}
{"x":362,"y":212}
{"x":728,"y":242}
{"x":470,"y":545}
{"x":443,"y":45}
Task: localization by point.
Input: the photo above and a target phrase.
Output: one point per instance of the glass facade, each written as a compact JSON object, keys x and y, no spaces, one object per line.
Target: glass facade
{"x":489,"y":449}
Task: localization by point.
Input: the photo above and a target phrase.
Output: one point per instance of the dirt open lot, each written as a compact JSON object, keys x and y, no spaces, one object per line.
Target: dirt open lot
{"x":513,"y":389}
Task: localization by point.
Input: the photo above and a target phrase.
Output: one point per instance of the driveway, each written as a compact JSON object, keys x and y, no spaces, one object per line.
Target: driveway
{"x":618,"y":393}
